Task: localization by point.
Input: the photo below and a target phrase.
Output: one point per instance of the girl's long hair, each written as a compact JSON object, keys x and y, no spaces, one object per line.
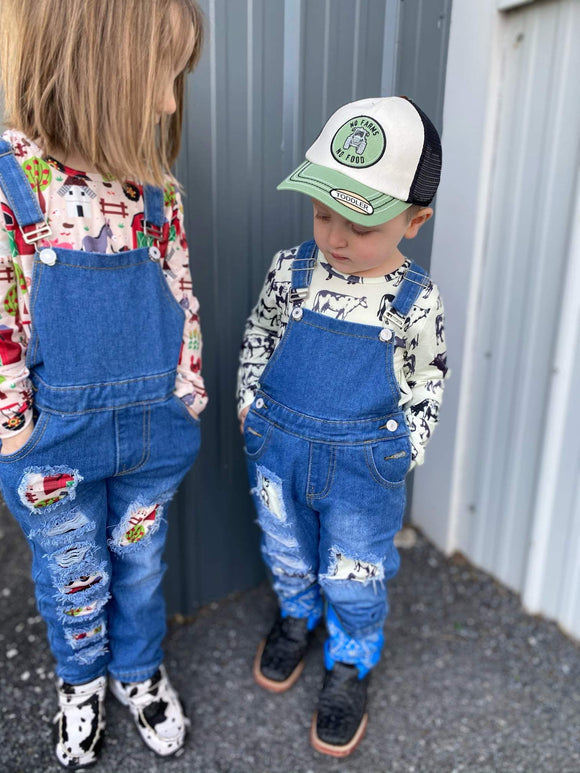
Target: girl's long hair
{"x":86,"y":76}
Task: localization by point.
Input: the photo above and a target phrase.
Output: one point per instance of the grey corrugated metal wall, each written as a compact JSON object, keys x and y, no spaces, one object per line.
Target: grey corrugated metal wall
{"x":520,"y":500}
{"x":272,"y":73}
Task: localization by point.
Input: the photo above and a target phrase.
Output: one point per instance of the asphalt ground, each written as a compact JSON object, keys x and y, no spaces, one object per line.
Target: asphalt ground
{"x":468,"y":682}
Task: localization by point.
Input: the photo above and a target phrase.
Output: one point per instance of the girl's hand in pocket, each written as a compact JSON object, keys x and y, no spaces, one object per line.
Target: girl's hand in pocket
{"x":14,"y":443}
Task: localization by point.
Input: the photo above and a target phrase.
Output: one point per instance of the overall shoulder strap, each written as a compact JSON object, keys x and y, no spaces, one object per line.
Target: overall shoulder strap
{"x":154,"y":212}
{"x":302,"y":268}
{"x":20,"y":196}
{"x":415,"y":280}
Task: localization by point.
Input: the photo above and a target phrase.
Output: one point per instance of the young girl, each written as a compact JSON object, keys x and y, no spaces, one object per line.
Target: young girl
{"x":100,"y":385}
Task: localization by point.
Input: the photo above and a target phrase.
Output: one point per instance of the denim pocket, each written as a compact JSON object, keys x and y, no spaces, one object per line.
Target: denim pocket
{"x":389,"y":461}
{"x":37,"y":433}
{"x":185,"y":412}
{"x":256,"y":434}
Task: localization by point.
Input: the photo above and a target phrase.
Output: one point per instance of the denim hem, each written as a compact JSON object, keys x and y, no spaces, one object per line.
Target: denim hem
{"x":76,"y":680}
{"x":135,"y":676}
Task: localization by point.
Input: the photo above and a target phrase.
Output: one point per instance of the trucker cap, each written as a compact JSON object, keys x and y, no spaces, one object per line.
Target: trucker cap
{"x":372,"y":160}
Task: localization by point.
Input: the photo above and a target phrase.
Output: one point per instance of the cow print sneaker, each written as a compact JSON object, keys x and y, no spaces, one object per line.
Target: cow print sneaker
{"x":157,"y":711}
{"x":80,"y":722}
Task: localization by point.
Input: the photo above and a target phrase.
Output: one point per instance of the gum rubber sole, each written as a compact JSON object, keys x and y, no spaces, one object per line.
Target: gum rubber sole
{"x":337,"y":751}
{"x":270,"y":684}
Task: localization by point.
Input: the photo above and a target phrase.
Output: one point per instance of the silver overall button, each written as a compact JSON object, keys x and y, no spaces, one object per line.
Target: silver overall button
{"x":47,"y":256}
{"x":386,"y":334}
{"x":154,"y":253}
{"x":297,"y":313}
{"x":392,"y":425}
{"x":259,"y":403}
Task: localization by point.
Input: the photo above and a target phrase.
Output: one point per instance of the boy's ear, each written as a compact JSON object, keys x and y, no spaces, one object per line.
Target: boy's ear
{"x":420,"y":218}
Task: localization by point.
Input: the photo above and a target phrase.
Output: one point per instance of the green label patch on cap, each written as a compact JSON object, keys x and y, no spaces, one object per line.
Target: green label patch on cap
{"x":359,"y":142}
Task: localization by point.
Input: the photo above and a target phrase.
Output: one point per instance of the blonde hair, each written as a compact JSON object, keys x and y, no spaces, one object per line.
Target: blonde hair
{"x":85,"y":76}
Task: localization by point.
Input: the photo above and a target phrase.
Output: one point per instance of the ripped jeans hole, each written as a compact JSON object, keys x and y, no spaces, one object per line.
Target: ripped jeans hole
{"x":140,"y":521}
{"x":43,"y":488}
{"x":71,"y":555}
{"x":61,"y":529}
{"x":343,"y":567}
{"x":88,"y":655}
{"x":84,"y":610}
{"x":268,"y":492}
{"x":89,"y":585}
{"x":80,"y":638}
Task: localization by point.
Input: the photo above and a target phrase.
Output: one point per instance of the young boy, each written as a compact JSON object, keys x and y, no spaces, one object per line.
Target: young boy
{"x":340,"y":381}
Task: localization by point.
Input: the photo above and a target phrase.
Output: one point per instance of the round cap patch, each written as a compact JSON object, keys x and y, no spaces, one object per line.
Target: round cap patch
{"x":360,"y":142}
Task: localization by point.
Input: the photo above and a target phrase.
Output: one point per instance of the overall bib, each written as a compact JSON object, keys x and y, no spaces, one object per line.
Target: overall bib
{"x":110,"y":445}
{"x":328,"y":450}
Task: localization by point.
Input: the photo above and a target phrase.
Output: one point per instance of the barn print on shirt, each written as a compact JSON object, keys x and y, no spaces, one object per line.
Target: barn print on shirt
{"x":99,"y":214}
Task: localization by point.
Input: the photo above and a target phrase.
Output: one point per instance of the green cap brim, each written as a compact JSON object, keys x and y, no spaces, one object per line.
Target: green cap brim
{"x":353,"y":200}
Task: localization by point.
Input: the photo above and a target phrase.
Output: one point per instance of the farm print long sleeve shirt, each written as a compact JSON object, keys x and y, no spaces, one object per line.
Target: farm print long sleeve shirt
{"x":100,"y":214}
{"x":420,"y":358}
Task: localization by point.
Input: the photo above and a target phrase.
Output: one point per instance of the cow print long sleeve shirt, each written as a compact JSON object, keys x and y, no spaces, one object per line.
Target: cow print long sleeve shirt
{"x":420,"y":359}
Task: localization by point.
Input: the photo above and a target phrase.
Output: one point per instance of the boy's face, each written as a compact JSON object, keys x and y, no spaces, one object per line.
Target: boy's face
{"x":355,"y":249}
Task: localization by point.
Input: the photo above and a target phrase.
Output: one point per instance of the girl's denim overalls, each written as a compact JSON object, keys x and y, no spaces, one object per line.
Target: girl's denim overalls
{"x":110,"y":445}
{"x":328,"y":450}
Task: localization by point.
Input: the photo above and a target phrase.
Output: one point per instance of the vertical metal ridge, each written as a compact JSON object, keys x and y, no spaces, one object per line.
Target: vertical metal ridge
{"x":291,"y":92}
{"x":326,"y":61}
{"x":250,"y":132}
{"x":213,"y":130}
{"x":390,"y":48}
{"x":356,"y":49}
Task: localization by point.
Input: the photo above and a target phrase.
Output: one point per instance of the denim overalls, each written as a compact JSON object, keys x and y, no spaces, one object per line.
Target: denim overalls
{"x":328,"y":450}
{"x":110,"y":445}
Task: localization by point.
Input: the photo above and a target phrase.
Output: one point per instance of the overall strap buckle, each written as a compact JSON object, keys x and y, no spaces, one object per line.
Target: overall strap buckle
{"x":27,"y":212}
{"x":152,"y":230}
{"x":298,"y":294}
{"x":32,"y":233}
{"x":423,"y":278}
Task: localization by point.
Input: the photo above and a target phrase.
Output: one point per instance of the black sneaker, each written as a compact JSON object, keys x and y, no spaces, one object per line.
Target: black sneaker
{"x":279,"y":660}
{"x":341,"y":720}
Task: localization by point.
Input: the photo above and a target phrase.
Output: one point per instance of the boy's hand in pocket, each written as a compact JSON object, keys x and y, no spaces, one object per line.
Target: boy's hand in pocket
{"x":243,"y":415}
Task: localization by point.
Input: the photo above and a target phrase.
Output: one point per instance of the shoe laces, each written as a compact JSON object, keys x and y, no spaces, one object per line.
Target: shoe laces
{"x":74,"y":695}
{"x":142,"y":694}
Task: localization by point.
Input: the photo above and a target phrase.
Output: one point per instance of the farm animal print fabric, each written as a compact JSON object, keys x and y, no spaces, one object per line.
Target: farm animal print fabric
{"x":89,"y":212}
{"x":420,"y":353}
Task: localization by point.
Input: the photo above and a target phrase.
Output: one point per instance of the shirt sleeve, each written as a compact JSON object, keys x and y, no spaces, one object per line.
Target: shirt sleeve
{"x":263,"y":330}
{"x":15,"y":386}
{"x":189,"y":385}
{"x":425,"y":369}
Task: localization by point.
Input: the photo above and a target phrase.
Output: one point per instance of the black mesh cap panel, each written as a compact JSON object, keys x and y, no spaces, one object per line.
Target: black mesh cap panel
{"x":424,"y":185}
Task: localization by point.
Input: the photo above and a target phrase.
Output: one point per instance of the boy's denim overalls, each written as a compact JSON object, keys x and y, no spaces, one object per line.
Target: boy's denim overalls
{"x":111,"y":443}
{"x":328,"y":450}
